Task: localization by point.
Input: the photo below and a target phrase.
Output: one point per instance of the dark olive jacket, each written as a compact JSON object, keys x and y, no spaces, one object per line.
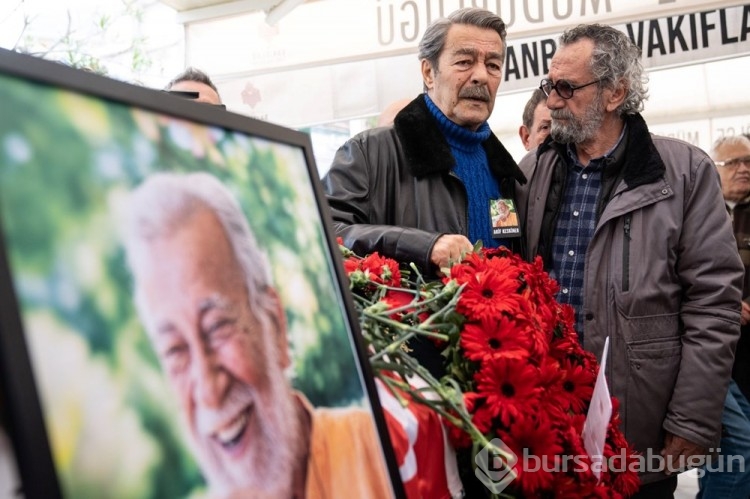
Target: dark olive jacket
{"x":391,"y":189}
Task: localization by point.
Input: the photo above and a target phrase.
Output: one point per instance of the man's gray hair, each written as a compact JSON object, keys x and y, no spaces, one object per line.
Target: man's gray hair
{"x":165,"y":202}
{"x":433,"y":41}
{"x":728,"y":140}
{"x":615,"y":58}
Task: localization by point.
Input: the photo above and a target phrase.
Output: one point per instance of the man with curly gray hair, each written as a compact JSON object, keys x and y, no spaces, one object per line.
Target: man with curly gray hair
{"x":633,"y":228}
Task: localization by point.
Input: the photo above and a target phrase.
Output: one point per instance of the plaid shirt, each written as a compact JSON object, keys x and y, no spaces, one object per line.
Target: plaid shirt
{"x":576,"y":222}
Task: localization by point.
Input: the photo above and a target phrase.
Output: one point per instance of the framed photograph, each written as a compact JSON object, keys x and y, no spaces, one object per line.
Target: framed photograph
{"x":174,"y":319}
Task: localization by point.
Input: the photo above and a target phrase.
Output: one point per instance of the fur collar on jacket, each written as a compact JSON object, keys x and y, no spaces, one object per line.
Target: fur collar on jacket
{"x":641,"y":165}
{"x":427,"y":151}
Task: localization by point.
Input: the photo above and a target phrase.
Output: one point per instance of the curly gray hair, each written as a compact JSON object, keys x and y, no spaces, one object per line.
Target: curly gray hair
{"x":615,"y":58}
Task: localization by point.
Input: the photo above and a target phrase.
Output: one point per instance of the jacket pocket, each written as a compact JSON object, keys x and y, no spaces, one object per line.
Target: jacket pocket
{"x":652,"y":371}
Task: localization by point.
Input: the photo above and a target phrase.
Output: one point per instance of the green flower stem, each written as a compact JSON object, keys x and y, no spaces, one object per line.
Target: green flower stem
{"x":459,"y":416}
{"x":407,"y":332}
{"x":392,"y":347}
{"x":394,"y":366}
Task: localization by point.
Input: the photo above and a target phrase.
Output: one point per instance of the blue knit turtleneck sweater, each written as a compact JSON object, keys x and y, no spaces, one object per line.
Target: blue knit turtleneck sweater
{"x":473,"y":170}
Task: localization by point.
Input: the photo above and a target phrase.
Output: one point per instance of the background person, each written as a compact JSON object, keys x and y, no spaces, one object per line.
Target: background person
{"x":732,"y":156}
{"x":536,"y":120}
{"x":204,"y":293}
{"x":724,"y":477}
{"x":195,"y":80}
{"x":391,"y":110}
{"x":633,"y":228}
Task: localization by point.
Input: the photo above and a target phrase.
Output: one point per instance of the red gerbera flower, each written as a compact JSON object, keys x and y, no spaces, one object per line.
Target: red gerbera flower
{"x":543,"y":287}
{"x":626,"y":480}
{"x":513,"y":356}
{"x":577,"y":385}
{"x":488,"y":295}
{"x":537,"y":446}
{"x":569,"y":486}
{"x":497,"y":338}
{"x":481,"y":414}
{"x":509,"y":388}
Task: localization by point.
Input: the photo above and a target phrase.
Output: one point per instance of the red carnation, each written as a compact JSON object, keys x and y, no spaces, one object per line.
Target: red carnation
{"x":396,"y":299}
{"x":381,"y":270}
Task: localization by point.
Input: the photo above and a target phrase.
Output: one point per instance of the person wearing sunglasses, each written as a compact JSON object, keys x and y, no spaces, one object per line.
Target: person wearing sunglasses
{"x":633,"y":228}
{"x":731,"y":154}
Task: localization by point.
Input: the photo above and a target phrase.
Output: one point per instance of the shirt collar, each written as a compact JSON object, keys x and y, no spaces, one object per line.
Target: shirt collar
{"x":595,"y":163}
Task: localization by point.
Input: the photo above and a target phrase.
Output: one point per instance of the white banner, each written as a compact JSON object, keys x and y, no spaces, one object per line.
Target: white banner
{"x":289,"y":83}
{"x":335,"y":31}
{"x":667,"y":41}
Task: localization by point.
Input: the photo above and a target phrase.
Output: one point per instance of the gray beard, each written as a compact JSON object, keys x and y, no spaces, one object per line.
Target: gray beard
{"x":576,"y":130}
{"x":278,"y":448}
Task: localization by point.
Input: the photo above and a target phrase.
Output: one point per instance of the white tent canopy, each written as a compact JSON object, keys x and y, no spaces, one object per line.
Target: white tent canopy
{"x":326,"y":61}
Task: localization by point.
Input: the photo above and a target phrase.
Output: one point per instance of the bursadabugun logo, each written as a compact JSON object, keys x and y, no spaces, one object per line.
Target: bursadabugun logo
{"x":495,"y":464}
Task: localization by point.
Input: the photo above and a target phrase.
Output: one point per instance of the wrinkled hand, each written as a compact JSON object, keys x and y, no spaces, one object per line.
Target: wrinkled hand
{"x":676,"y":452}
{"x":449,"y":248}
{"x":745,"y":314}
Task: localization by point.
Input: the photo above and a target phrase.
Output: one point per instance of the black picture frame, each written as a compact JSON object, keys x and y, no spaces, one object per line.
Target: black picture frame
{"x":19,"y":380}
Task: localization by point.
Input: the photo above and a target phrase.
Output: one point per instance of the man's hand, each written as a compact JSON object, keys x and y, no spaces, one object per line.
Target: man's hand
{"x":449,"y":248}
{"x":745,"y":313}
{"x":676,"y":452}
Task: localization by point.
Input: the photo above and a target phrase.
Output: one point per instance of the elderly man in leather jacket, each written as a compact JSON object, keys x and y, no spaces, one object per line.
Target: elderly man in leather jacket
{"x":634,"y":229}
{"x":421,"y":190}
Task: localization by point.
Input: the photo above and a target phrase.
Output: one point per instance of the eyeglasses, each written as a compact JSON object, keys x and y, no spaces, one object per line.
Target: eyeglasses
{"x":563,"y":87}
{"x":734,"y":163}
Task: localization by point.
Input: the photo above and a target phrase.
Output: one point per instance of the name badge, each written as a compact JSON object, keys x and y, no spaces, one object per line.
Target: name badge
{"x":504,"y":218}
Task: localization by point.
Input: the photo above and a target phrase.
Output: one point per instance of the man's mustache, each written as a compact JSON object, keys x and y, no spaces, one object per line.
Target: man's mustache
{"x":480,"y":93}
{"x":561,"y":114}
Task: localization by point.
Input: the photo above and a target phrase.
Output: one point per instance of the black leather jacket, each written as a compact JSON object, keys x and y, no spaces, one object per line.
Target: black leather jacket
{"x":391,"y":189}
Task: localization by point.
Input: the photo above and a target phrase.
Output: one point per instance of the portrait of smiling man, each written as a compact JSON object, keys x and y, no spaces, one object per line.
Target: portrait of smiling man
{"x":204,"y":294}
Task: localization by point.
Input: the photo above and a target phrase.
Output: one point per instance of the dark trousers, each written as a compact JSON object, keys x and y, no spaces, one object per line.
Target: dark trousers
{"x":663,"y":489}
{"x":741,"y":368}
{"x":727,"y":476}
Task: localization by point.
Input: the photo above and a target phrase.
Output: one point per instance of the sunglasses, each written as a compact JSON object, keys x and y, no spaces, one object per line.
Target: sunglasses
{"x":734,"y":163}
{"x":563,"y":87}
{"x":191,"y":95}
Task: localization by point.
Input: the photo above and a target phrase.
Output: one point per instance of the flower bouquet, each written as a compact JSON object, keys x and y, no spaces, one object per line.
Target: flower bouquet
{"x":518,"y":382}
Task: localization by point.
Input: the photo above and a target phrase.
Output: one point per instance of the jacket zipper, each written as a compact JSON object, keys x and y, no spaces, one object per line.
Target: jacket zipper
{"x":626,"y":253}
